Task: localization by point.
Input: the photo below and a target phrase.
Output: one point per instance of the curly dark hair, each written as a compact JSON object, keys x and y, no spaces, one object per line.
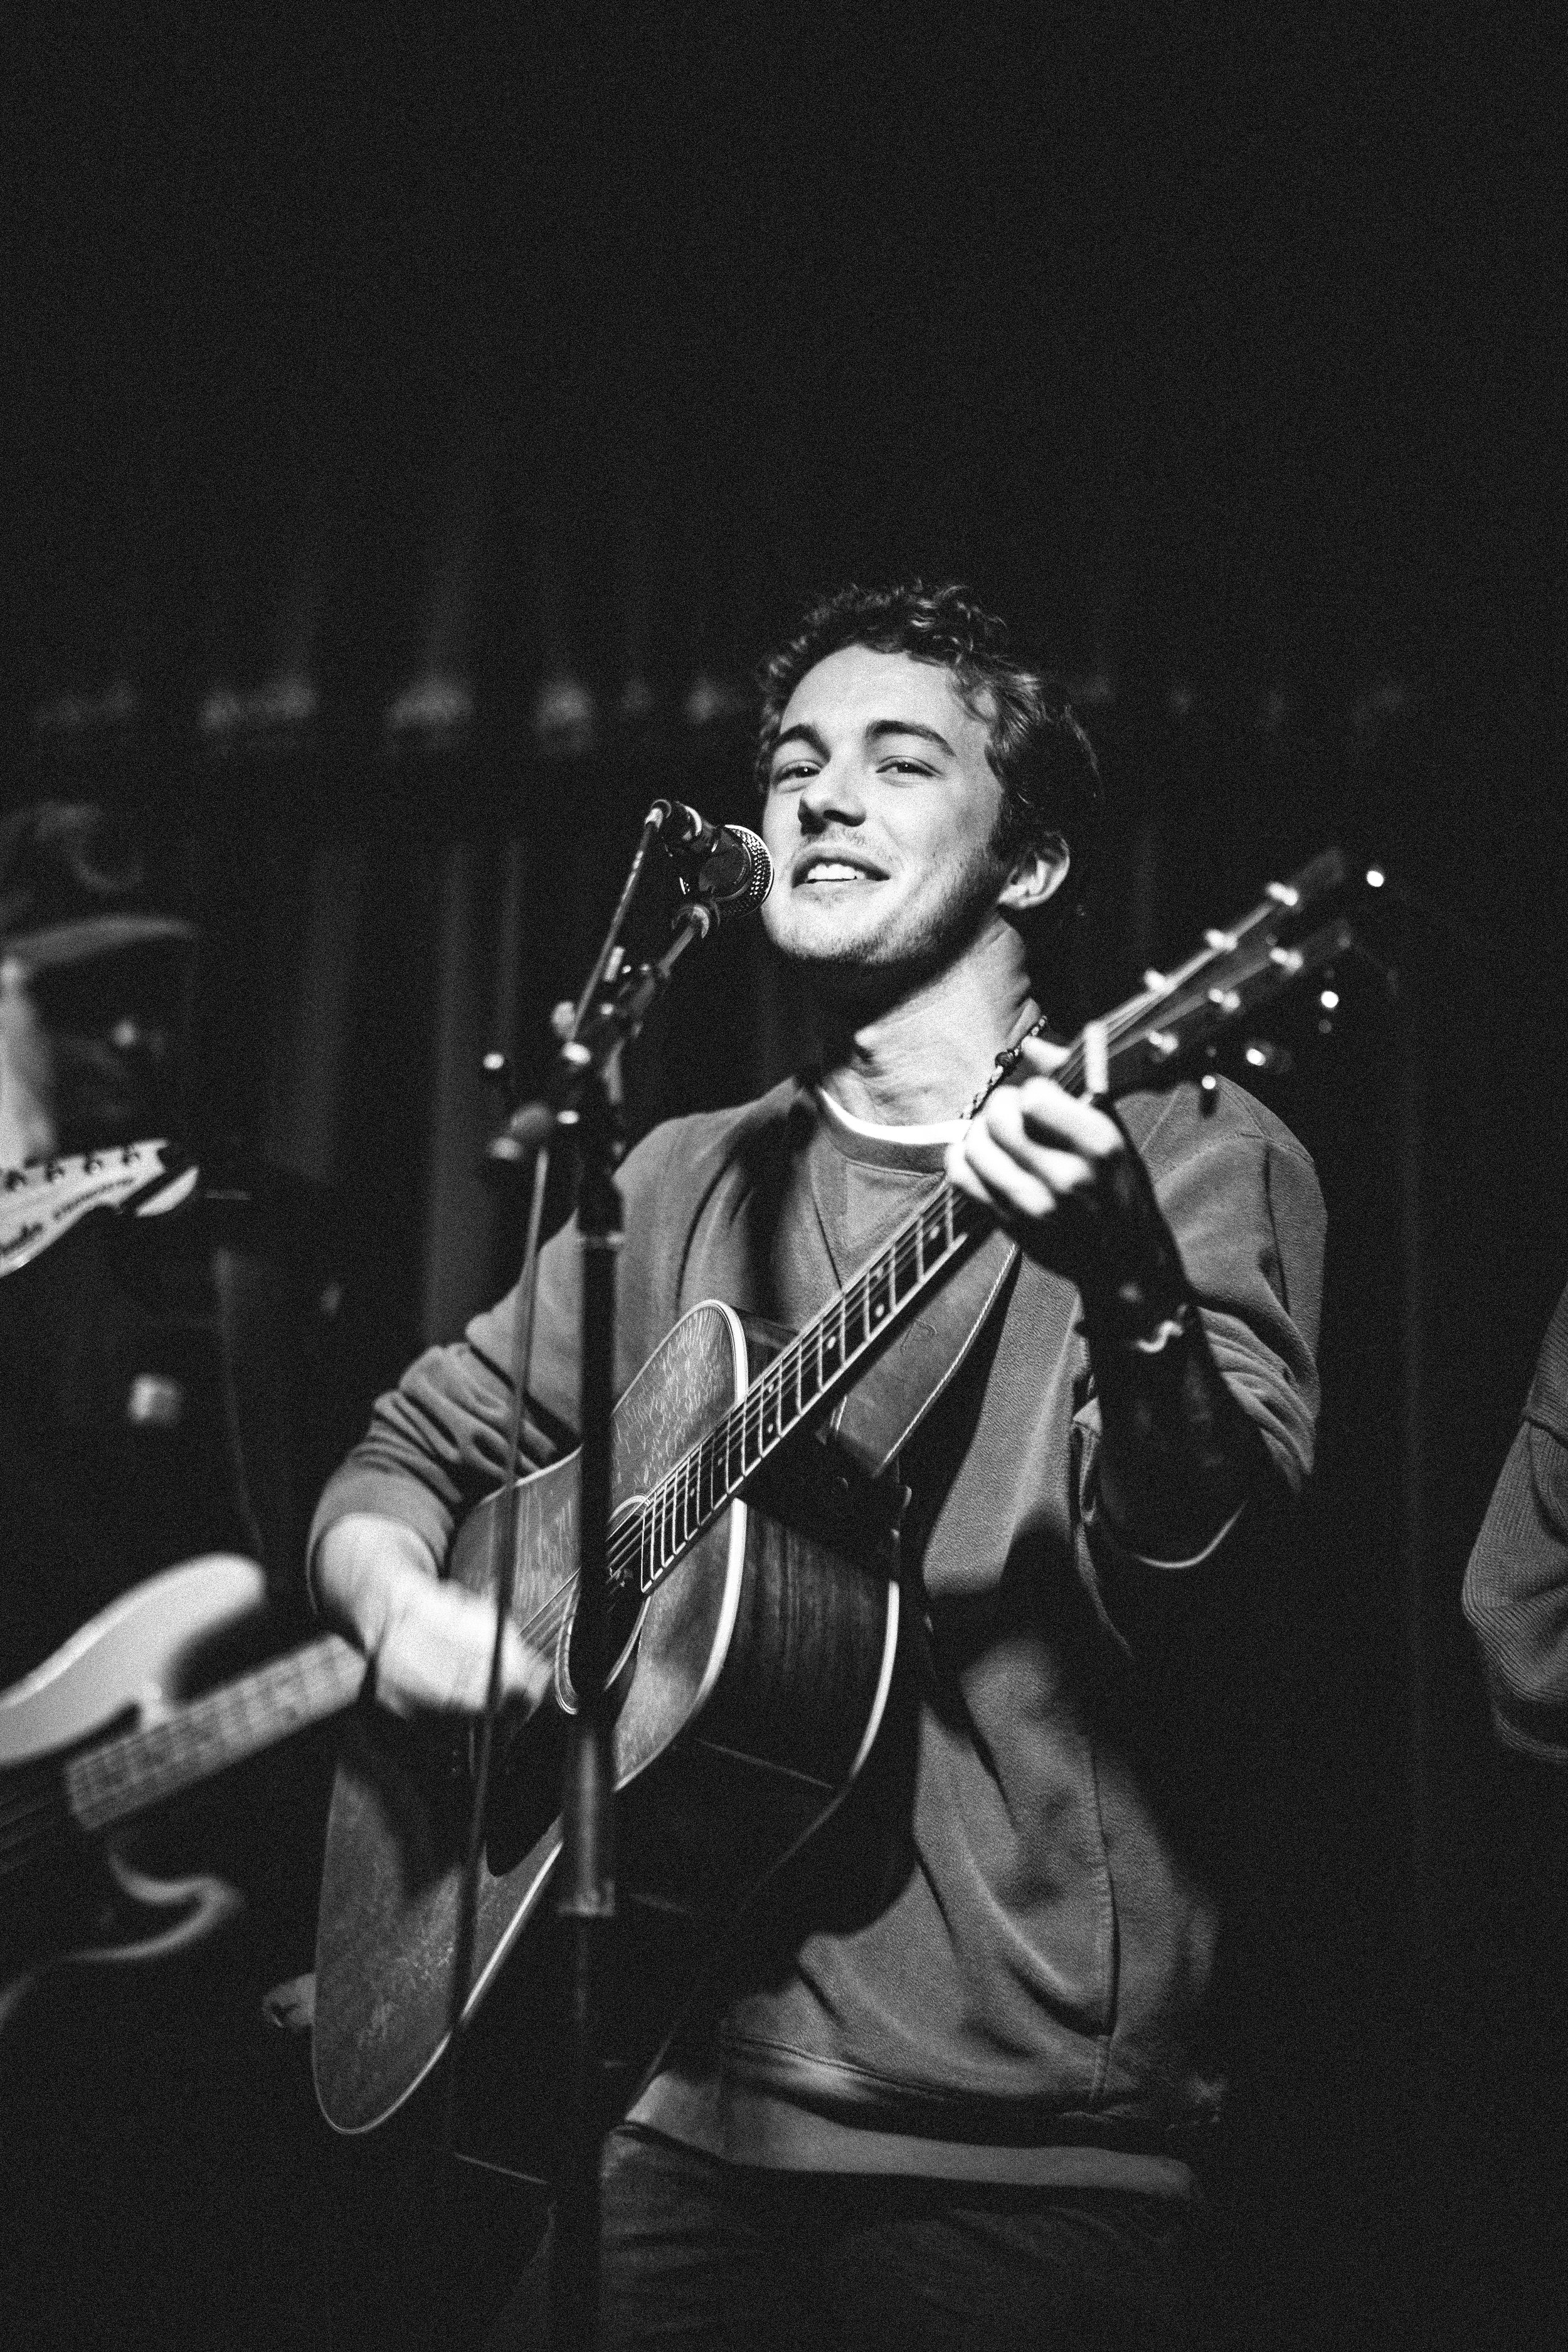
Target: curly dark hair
{"x":1037,"y":750}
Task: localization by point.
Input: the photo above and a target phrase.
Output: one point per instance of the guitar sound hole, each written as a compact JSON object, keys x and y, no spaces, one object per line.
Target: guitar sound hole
{"x":623,"y":1615}
{"x":525,"y":1792}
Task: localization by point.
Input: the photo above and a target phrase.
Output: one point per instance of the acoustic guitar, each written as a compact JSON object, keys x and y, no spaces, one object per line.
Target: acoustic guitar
{"x":753,"y":1606}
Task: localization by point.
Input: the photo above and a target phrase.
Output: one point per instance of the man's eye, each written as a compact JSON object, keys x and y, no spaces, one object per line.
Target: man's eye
{"x":792,"y":773}
{"x":906,"y":767}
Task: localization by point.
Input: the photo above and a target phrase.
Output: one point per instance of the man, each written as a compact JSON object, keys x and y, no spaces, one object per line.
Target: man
{"x":1516,"y":1599}
{"x":965,"y":2107}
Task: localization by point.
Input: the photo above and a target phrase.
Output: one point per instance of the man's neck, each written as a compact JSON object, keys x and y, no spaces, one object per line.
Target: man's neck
{"x":923,"y":1059}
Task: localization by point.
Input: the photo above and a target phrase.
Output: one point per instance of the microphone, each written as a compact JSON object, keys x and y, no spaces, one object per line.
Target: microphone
{"x":725,"y":866}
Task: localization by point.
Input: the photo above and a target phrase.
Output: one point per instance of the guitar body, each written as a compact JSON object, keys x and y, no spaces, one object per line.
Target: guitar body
{"x":66,"y":1894}
{"x":750,"y":1687}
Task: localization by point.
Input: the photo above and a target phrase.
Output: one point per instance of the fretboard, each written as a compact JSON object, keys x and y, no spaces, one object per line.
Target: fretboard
{"x":124,"y":1775}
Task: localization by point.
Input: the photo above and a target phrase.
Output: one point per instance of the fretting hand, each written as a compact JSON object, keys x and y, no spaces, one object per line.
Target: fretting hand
{"x":1061,"y":1175}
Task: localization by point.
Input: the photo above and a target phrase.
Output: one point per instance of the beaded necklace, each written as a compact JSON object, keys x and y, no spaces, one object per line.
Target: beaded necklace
{"x":1007,"y":1062}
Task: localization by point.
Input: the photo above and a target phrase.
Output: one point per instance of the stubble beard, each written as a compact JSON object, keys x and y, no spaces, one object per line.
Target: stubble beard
{"x":869,"y":975}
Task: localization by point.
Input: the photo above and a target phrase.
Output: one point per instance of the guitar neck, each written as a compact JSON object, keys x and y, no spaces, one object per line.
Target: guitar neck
{"x":123,"y":1776}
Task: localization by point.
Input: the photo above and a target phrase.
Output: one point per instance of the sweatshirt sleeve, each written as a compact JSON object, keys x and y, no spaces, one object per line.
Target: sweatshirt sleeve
{"x":1516,"y":1584}
{"x":1242,"y":1200}
{"x":438,"y":1442}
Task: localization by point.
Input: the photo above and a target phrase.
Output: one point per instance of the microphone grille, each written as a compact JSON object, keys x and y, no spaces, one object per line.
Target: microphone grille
{"x":759,"y":871}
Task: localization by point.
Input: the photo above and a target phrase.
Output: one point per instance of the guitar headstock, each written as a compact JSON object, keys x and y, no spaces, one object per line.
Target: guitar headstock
{"x":1156,"y":1036}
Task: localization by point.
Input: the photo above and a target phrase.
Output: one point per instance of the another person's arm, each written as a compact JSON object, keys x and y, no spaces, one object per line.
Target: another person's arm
{"x":1516,"y":1585}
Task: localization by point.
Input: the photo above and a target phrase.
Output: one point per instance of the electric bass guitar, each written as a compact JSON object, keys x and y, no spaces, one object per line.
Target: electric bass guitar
{"x":753,"y":1606}
{"x":105,"y":1730}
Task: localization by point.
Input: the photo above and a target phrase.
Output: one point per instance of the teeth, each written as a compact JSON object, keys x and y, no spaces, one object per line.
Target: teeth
{"x":832,"y":874}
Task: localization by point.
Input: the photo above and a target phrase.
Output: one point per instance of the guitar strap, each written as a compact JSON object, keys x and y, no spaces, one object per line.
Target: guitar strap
{"x":876,"y":1417}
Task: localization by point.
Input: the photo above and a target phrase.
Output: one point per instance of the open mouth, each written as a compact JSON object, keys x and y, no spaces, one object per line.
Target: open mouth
{"x":820,"y":873}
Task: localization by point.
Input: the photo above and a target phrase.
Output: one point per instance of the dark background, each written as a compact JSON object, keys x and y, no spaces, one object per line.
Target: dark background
{"x":417,"y":423}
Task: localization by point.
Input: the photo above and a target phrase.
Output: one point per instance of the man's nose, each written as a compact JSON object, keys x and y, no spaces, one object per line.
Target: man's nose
{"x":831,"y":796}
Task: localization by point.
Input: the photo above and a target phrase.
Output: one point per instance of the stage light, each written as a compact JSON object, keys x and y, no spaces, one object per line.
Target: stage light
{"x":277,"y":713}
{"x":565,"y":721}
{"x":434,"y":708}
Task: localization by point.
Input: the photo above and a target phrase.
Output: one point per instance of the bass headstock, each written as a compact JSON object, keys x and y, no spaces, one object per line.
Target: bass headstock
{"x":41,"y":1203}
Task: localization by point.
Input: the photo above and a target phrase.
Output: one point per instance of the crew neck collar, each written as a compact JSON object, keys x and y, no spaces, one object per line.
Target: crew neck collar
{"x":925,"y":1144}
{"x":922,"y":1147}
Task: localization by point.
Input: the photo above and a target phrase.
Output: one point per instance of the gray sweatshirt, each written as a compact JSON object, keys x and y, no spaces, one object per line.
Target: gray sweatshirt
{"x":1026,"y":1997}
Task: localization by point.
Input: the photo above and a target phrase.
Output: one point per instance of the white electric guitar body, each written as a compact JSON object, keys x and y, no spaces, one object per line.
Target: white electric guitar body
{"x":106,"y":1730}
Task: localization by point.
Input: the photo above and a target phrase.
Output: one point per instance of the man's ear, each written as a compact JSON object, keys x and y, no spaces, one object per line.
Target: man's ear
{"x":1038,"y":875}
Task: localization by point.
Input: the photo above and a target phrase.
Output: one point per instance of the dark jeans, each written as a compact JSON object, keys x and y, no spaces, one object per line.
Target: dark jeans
{"x":700,"y":2256}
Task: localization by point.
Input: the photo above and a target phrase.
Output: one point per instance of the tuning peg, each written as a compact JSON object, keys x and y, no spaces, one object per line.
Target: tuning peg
{"x":1269,"y":1060}
{"x":498,"y":1073}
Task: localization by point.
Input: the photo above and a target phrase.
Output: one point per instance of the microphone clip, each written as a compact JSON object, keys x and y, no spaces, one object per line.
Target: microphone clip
{"x":725,"y":868}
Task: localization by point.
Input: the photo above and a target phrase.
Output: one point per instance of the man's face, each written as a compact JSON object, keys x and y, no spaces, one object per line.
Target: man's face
{"x":880,"y":815}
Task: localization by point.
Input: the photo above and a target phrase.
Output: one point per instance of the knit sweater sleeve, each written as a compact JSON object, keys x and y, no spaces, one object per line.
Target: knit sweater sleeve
{"x":1516,"y":1585}
{"x":1242,"y":1200}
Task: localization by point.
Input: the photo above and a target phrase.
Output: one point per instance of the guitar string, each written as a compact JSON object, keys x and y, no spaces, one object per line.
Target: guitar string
{"x":19,"y":1824}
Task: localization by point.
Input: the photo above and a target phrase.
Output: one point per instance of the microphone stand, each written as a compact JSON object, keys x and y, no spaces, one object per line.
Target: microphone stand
{"x":584,"y":1095}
